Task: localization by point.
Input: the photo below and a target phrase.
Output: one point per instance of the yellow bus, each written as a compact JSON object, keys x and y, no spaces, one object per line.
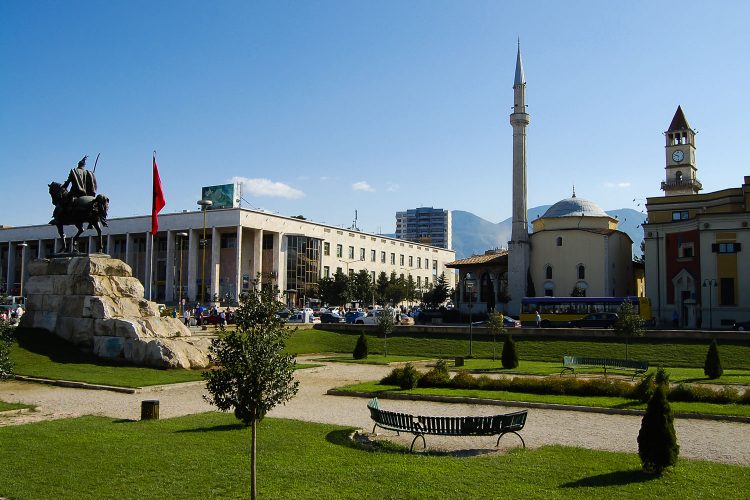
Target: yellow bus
{"x":560,"y":311}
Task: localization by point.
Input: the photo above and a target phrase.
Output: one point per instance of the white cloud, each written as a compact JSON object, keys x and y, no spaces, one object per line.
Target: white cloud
{"x":619,"y":185}
{"x":267,"y":187}
{"x":362,"y":186}
{"x":392,"y":187}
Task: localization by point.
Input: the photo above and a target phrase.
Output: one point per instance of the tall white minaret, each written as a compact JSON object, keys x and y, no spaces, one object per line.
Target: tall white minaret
{"x":518,"y":246}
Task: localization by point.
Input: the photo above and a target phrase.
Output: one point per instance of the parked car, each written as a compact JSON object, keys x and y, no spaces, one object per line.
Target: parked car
{"x":405,"y":319}
{"x":327,"y":317}
{"x":596,"y":320}
{"x":508,"y":322}
{"x":741,"y":326}
{"x":352,"y":316}
{"x":303,"y":317}
{"x":371,"y":318}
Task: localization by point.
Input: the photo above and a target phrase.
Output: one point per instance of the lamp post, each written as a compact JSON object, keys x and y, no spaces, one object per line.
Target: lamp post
{"x":204,"y":204}
{"x":709,"y":284}
{"x":182,"y":237}
{"x":23,"y":254}
{"x":408,"y":287}
{"x":469,"y":282}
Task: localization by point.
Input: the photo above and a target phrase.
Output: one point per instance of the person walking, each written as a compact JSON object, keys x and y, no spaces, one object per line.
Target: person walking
{"x":186,"y":316}
{"x":538,"y":319}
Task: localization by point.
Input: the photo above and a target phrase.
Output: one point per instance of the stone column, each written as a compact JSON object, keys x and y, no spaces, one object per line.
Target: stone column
{"x":40,"y":249}
{"x":129,"y":249}
{"x":238,"y":264}
{"x":194,"y":236}
{"x":169,"y":294}
{"x":11,"y":267}
{"x":91,"y":245}
{"x":215,"y":262}
{"x":110,"y":242}
{"x":149,"y":266}
{"x":279,"y":260}
{"x":257,"y":266}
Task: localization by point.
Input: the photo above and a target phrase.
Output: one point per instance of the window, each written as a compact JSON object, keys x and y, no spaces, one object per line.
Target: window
{"x":338,"y":270}
{"x":427,"y":263}
{"x":373,"y":253}
{"x":559,"y":241}
{"x":326,"y":248}
{"x":426,"y":282}
{"x":419,"y":262}
{"x":726,"y":289}
{"x":401,"y":259}
{"x":411,"y":261}
{"x":351,"y":253}
{"x":726,"y":247}
{"x":326,"y":272}
{"x":680,"y":215}
{"x":678,"y":176}
{"x":548,"y":272}
{"x":382,"y":257}
{"x":393,"y":259}
{"x":685,"y":250}
{"x":351,"y":272}
{"x":419,"y":281}
{"x":227,"y":241}
{"x":339,"y":251}
{"x":362,"y":253}
{"x":581,"y":272}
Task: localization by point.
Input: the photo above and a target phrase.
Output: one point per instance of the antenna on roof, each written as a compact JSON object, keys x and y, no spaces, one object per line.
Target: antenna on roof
{"x":354,"y":223}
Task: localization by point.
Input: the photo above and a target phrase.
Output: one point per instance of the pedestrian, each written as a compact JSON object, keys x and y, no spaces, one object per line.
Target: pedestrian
{"x":186,"y":316}
{"x":538,"y":319}
{"x":223,"y":317}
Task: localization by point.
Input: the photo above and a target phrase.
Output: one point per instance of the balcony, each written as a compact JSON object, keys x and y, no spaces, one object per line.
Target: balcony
{"x":692,"y":184}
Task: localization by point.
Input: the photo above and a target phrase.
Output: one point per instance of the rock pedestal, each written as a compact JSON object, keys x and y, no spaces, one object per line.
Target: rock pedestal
{"x":95,"y":302}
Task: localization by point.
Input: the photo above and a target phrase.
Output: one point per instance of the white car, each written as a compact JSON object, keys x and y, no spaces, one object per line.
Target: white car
{"x":371,"y":318}
{"x":303,"y":317}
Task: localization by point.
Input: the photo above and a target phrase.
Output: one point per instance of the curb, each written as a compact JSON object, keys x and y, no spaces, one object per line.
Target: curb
{"x":78,"y":385}
{"x":522,"y":404}
{"x":13,"y":413}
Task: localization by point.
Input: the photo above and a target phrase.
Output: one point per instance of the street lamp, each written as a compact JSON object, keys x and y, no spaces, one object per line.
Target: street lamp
{"x":23,"y":254}
{"x":204,"y":204}
{"x":181,"y":237}
{"x":469,"y":283}
{"x":709,"y":284}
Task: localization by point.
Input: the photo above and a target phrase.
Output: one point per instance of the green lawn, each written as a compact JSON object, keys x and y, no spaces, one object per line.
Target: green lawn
{"x":207,"y":456}
{"x":735,"y":356}
{"x":12,"y":406}
{"x":593,"y":401}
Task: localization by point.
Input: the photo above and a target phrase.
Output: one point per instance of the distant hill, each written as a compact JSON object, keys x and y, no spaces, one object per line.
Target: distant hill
{"x":472,"y":235}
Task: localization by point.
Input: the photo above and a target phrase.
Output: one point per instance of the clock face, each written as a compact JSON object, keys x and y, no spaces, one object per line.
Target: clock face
{"x":678,"y":156}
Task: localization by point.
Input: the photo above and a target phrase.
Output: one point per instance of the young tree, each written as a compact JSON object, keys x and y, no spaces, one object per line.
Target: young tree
{"x":253,"y":374}
{"x":361,"y":349}
{"x":628,"y":324}
{"x":386,"y":323}
{"x":712,"y":366}
{"x":509,"y":356}
{"x":396,"y":291}
{"x":361,"y":287}
{"x":496,"y":326}
{"x":380,"y":287}
{"x":6,"y":337}
{"x":657,"y":441}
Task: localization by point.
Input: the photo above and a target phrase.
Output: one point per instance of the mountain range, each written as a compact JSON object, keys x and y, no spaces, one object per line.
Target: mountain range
{"x":473,"y":235}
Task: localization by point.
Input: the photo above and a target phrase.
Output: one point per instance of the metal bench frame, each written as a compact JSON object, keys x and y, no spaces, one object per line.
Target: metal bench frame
{"x":570,"y":363}
{"x":509,"y":423}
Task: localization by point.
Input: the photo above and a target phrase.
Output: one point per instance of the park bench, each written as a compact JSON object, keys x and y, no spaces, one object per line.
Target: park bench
{"x":509,"y":423}
{"x":571,"y":363}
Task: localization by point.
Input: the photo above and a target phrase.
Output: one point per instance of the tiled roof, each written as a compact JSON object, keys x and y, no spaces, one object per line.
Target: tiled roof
{"x":495,"y":258}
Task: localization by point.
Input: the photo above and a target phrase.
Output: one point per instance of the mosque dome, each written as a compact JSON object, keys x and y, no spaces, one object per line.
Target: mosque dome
{"x":575,"y":207}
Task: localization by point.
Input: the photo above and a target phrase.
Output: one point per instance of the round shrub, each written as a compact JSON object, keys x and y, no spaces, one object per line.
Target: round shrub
{"x":438,"y":376}
{"x":394,"y":377}
{"x":463,"y":380}
{"x":409,"y":377}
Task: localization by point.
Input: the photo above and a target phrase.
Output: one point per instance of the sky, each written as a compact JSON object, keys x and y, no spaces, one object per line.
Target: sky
{"x":321,"y":108}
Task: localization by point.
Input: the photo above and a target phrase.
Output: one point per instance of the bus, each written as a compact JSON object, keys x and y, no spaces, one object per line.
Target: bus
{"x":560,"y":311}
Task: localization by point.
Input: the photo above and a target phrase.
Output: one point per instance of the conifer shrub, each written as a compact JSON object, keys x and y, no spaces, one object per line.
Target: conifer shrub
{"x":657,"y":441}
{"x":712,"y":366}
{"x":644,"y":389}
{"x":410,"y":377}
{"x":509,"y":356}
{"x":361,"y":350}
{"x":438,"y":376}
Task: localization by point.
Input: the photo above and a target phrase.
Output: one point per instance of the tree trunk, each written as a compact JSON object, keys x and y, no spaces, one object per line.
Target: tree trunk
{"x":253,"y":448}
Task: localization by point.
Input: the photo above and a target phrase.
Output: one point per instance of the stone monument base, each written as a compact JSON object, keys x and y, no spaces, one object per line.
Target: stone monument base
{"x":95,"y":302}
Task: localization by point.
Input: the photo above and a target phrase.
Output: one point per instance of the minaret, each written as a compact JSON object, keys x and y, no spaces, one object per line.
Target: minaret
{"x":518,"y":246}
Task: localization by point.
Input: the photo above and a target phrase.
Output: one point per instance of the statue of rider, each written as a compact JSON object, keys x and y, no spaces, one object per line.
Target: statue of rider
{"x":82,"y":182}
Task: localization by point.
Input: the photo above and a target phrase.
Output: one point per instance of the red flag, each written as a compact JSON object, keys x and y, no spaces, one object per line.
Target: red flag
{"x":158,"y":201}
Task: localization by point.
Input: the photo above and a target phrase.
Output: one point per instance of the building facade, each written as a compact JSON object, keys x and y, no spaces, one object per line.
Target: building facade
{"x":426,"y":225}
{"x":241,"y":249}
{"x":697,"y":263}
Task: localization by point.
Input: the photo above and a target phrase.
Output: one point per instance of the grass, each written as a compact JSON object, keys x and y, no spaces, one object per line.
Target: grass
{"x":591,"y":401}
{"x":12,"y":406}
{"x":373,"y":359}
{"x":207,"y":456}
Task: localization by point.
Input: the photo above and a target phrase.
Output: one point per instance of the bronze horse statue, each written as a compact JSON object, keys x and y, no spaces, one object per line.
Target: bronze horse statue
{"x":77,"y":212}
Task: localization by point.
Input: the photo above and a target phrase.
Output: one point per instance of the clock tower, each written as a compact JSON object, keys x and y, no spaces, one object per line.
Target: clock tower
{"x":680,"y":149}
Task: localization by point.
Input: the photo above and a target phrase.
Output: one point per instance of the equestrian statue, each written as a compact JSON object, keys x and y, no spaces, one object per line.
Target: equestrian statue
{"x":79,"y":206}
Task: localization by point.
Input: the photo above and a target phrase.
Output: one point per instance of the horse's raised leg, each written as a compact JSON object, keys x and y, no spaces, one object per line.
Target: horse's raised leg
{"x":99,"y":242}
{"x":74,"y":240}
{"x":61,"y":232}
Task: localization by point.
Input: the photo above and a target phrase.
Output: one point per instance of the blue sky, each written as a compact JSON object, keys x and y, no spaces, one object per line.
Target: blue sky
{"x":327,"y":107}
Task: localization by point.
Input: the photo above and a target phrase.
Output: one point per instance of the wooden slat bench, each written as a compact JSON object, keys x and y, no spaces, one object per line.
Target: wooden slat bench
{"x":571,"y":363}
{"x":509,"y":423}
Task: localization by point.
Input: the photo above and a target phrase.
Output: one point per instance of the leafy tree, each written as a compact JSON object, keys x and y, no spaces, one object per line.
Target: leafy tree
{"x":361,"y":288}
{"x":439,"y":292}
{"x":657,"y":440}
{"x":381,"y":286}
{"x":386,"y":323}
{"x":496,"y":325}
{"x":333,"y":291}
{"x":361,"y":349}
{"x":396,"y":290}
{"x":6,"y":338}
{"x":712,"y":366}
{"x":509,"y":356}
{"x":411,"y":288}
{"x":628,"y":324}
{"x":253,"y":374}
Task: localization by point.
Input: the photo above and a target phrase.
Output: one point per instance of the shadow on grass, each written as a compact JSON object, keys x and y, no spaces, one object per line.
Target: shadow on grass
{"x":215,"y":428}
{"x":618,"y":478}
{"x":47,"y":344}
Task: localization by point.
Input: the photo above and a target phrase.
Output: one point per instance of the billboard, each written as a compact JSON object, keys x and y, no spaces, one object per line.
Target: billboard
{"x":222,"y":196}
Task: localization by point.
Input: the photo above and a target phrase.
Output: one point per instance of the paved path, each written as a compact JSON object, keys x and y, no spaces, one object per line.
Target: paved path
{"x":725,"y":442}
